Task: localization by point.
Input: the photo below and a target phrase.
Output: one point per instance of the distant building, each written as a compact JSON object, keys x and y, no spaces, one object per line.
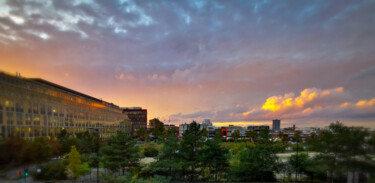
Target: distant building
{"x":33,"y":107}
{"x":182,"y":128}
{"x":207,"y":122}
{"x":276,"y":125}
{"x":137,"y":116}
{"x":258,"y":128}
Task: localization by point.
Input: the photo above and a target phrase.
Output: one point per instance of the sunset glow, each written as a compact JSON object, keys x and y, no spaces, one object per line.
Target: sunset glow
{"x":234,"y":62}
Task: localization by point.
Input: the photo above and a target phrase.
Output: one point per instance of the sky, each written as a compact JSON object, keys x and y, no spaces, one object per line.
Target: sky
{"x":307,"y":63}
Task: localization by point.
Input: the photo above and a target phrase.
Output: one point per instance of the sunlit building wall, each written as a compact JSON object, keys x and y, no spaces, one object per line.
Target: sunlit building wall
{"x":34,"y":107}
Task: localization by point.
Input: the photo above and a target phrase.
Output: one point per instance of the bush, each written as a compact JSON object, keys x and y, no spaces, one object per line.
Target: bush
{"x":52,"y":171}
{"x":129,"y":179}
{"x":150,"y":151}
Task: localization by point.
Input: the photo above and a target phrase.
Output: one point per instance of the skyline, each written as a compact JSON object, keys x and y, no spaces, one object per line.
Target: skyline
{"x":306,"y":63}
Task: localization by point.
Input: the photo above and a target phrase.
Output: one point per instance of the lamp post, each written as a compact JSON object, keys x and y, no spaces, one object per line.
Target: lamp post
{"x":97,"y":156}
{"x":97,"y":152}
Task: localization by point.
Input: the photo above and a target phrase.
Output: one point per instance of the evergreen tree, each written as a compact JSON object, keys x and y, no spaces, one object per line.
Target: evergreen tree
{"x":215,"y":158}
{"x":189,"y":150}
{"x":120,"y":152}
{"x":257,"y":163}
{"x":169,"y":160}
{"x":342,"y":149}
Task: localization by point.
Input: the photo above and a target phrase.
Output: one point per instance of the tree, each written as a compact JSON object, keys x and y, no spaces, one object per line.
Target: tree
{"x":219,"y":134}
{"x":253,"y":135}
{"x":342,"y":149}
{"x":121,"y":152}
{"x":142,"y":134}
{"x":257,"y":163}
{"x":205,"y":133}
{"x":87,"y":142}
{"x":189,"y":150}
{"x":158,"y":127}
{"x":75,"y":168}
{"x":215,"y":158}
{"x":304,"y":164}
{"x":40,"y":150}
{"x":236,"y":135}
{"x":168,"y":160}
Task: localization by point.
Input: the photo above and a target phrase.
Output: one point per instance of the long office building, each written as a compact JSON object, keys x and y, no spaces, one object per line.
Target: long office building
{"x":35,"y":107}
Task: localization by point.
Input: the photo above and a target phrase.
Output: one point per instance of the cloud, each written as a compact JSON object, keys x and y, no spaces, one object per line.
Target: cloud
{"x":313,"y":103}
{"x":201,"y":59}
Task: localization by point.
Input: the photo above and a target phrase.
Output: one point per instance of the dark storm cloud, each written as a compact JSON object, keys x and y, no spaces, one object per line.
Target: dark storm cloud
{"x":214,"y":54}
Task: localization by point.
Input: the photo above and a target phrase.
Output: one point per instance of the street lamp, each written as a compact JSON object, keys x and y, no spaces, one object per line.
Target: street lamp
{"x":97,"y":153}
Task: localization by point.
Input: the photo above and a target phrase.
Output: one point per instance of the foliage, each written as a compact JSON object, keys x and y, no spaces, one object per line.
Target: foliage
{"x":129,"y":179}
{"x":158,"y":127}
{"x":21,"y":151}
{"x":256,"y":163}
{"x":121,"y":152}
{"x":253,"y":135}
{"x":189,"y":150}
{"x":214,"y":158}
{"x":342,"y":149}
{"x":168,"y":161}
{"x":142,"y":134}
{"x":150,"y":151}
{"x":40,"y":150}
{"x":52,"y":171}
{"x":304,"y":164}
{"x":236,"y":134}
{"x":219,"y":134}
{"x":205,"y":133}
{"x":75,"y":168}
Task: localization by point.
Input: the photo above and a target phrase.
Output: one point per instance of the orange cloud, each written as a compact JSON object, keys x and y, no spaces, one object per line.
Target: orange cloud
{"x":366,"y":103}
{"x":276,"y":103}
{"x":312,"y":103}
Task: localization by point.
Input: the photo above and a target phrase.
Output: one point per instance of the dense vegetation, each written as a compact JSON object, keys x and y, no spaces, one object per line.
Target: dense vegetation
{"x":337,"y":151}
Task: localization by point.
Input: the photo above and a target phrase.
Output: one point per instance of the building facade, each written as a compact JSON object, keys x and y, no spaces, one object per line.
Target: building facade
{"x":258,"y":128}
{"x":35,"y":107}
{"x":137,"y":116}
{"x":276,"y":124}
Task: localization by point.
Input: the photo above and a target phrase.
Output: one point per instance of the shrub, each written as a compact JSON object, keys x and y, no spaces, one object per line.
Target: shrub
{"x":52,"y":171}
{"x":150,"y":151}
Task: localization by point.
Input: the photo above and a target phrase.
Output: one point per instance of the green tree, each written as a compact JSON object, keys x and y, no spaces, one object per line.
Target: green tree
{"x":215,"y":158}
{"x":253,"y":135}
{"x":142,"y":134}
{"x":40,"y":150}
{"x":120,"y":152}
{"x":205,"y":133}
{"x":257,"y":163}
{"x":236,"y":135}
{"x":87,"y":142}
{"x":158,"y":127}
{"x":168,"y":160}
{"x":52,"y":171}
{"x":219,"y":134}
{"x":189,"y":150}
{"x":304,"y":164}
{"x":342,"y":149}
{"x":75,"y":168}
{"x":150,"y":151}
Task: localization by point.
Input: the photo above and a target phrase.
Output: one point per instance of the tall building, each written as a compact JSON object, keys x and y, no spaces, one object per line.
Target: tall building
{"x":137,"y":116}
{"x":35,"y":107}
{"x":276,"y":124}
{"x":207,"y":122}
